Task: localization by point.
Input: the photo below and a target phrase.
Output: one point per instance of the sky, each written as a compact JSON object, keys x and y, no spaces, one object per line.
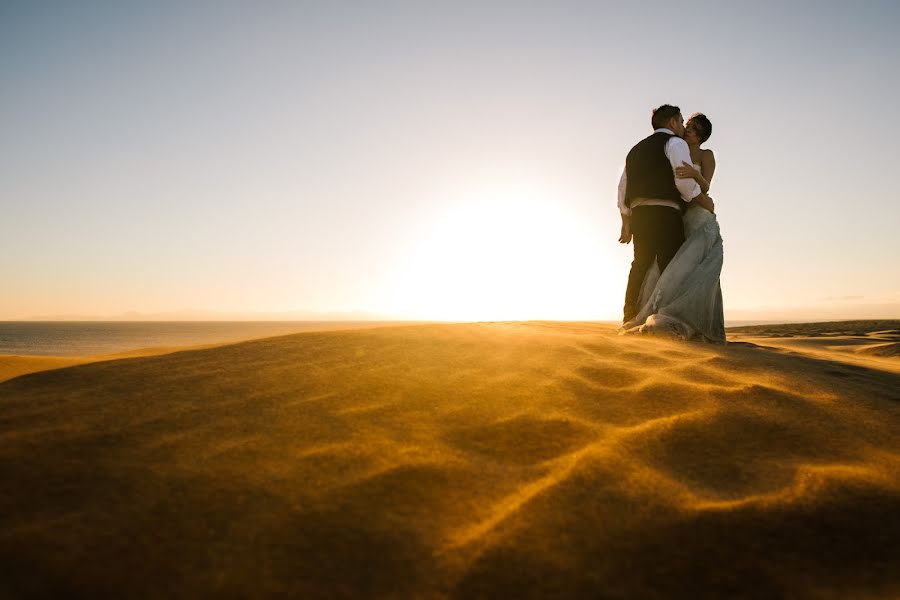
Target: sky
{"x":434,"y":160}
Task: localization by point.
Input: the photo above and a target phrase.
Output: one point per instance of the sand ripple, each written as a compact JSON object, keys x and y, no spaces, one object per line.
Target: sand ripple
{"x":475,"y":460}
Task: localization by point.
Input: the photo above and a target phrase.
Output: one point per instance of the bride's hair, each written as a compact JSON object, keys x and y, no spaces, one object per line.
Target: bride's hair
{"x":705,"y":125}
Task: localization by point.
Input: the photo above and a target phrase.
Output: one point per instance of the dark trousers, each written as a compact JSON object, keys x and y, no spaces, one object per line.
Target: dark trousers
{"x":658,"y":233}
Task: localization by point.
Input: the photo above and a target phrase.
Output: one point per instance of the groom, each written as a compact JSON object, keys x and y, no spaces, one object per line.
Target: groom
{"x":652,"y":199}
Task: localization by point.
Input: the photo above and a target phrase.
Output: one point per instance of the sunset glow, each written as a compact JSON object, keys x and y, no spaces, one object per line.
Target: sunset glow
{"x":501,"y":252}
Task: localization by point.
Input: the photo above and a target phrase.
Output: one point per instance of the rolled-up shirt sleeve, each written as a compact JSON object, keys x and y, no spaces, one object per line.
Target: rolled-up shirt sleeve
{"x":677,"y":150}
{"x":622,"y":207}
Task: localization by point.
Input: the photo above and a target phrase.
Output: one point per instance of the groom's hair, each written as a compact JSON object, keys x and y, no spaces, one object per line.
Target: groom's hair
{"x":662,"y":115}
{"x":705,"y":125}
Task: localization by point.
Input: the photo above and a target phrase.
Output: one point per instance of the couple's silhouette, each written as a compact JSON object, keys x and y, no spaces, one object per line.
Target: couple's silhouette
{"x":673,"y":287}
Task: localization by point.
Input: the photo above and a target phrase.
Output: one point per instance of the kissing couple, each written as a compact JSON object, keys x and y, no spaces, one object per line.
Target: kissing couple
{"x":673,"y":287}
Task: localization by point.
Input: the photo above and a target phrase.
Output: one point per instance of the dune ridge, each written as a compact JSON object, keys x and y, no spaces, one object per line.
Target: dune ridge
{"x":14,"y":365}
{"x":870,"y":344}
{"x":464,"y":460}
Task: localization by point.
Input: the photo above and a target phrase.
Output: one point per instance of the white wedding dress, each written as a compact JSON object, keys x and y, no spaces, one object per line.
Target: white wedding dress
{"x":686,"y":301}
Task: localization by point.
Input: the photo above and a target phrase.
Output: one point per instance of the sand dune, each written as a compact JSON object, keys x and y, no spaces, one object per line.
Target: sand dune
{"x":13,"y":366}
{"x":473,"y":460}
{"x":886,"y":350}
{"x":870,"y":344}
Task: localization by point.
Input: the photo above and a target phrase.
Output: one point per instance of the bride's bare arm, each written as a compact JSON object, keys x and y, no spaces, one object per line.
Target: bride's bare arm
{"x":703,"y":177}
{"x":686,"y":171}
{"x":708,"y":166}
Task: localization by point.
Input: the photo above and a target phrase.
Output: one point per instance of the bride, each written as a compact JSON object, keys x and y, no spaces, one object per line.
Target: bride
{"x":686,"y":301}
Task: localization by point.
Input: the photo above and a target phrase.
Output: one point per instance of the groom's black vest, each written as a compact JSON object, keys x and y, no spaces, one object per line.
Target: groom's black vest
{"x":648,"y":172}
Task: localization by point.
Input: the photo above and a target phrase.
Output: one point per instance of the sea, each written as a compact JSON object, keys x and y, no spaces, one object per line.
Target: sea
{"x":89,"y":338}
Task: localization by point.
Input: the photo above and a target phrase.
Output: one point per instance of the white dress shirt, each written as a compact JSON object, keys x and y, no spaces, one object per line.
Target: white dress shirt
{"x":677,"y":151}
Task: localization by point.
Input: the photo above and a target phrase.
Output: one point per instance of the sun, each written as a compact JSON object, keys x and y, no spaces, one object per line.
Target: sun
{"x":502,"y":253}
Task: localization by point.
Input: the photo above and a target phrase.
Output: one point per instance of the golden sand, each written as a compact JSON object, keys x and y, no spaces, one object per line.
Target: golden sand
{"x":15,"y":365}
{"x":503,"y":460}
{"x":855,"y":342}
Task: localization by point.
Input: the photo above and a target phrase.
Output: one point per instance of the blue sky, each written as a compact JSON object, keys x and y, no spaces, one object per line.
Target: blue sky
{"x":413,"y":158}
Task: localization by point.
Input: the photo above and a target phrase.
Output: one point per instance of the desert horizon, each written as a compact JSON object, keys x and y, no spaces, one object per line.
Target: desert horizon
{"x":819,"y":338}
{"x":825,"y":310}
